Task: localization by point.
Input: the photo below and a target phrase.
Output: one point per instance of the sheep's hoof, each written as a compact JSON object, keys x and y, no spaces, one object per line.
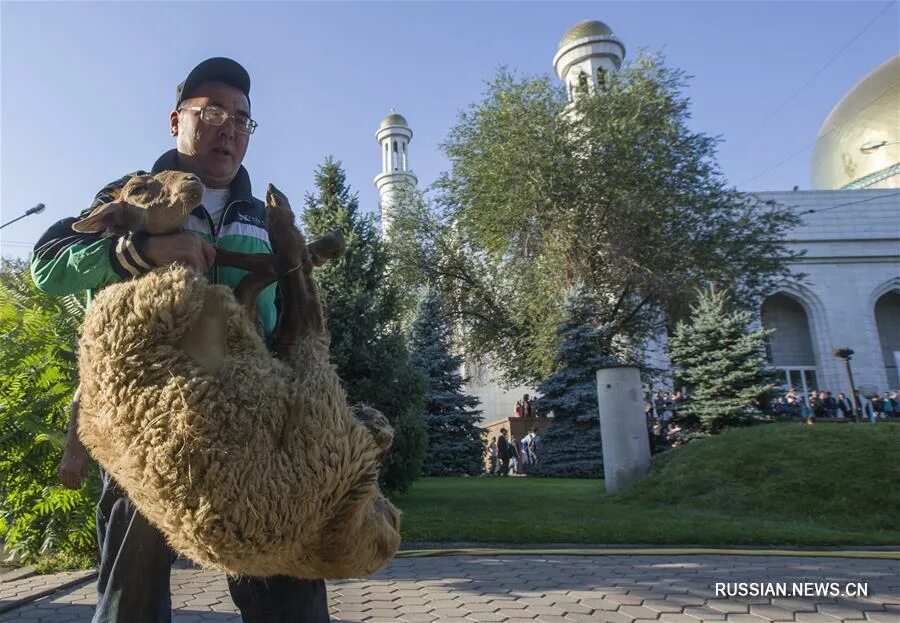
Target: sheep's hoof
{"x":377,"y":423}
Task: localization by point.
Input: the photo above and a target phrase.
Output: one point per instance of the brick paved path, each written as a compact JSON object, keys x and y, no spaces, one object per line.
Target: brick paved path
{"x":546,"y":588}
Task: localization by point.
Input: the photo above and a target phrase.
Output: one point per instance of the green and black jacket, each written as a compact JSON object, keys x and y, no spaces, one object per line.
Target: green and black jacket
{"x":67,"y":262}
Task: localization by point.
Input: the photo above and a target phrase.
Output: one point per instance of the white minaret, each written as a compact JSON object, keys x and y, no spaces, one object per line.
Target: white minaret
{"x":587,"y":54}
{"x":396,"y":183}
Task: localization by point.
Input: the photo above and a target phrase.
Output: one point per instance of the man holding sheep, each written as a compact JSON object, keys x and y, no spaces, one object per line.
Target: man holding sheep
{"x":212,"y":125}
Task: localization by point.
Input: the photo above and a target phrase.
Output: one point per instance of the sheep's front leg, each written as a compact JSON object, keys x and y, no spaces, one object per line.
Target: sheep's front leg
{"x":302,"y":317}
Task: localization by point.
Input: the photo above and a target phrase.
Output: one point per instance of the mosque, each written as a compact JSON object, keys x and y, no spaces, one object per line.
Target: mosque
{"x":850,"y":231}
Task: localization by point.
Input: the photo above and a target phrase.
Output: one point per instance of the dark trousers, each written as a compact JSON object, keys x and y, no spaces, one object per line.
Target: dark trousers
{"x":504,"y":466}
{"x":135,"y":565}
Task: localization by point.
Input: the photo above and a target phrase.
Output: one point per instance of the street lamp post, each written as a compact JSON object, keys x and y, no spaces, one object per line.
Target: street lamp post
{"x":35,"y":210}
{"x":844,"y":353}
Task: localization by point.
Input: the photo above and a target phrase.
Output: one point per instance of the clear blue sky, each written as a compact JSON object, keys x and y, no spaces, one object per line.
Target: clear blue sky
{"x":87,"y":87}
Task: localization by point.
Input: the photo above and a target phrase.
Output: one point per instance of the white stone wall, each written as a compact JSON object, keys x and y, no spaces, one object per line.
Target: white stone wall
{"x":496,"y":402}
{"x":852,"y":244}
{"x":656,"y":357}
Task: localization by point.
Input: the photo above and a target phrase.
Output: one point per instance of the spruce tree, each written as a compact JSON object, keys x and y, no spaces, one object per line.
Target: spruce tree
{"x":361,"y":309}
{"x":571,"y":445}
{"x":455,"y":445}
{"x":722,"y":363}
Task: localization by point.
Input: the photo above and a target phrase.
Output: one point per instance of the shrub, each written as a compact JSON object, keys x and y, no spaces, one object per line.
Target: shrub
{"x":37,"y":337}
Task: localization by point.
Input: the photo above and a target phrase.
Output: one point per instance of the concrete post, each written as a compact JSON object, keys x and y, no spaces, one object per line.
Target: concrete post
{"x":623,"y":426}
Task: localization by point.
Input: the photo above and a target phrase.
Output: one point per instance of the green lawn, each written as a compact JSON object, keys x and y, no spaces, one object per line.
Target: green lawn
{"x":784,"y":484}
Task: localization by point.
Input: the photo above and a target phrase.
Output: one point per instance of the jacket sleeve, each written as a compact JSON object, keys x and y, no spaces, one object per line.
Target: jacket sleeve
{"x":65,"y":261}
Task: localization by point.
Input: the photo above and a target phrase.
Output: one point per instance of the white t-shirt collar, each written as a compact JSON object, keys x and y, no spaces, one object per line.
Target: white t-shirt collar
{"x":215,"y":200}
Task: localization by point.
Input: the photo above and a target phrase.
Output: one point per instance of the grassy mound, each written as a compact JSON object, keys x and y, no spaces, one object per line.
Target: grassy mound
{"x":848,"y":474}
{"x":781,"y":484}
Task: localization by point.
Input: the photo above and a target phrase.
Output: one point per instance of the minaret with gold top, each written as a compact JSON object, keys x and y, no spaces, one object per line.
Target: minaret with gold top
{"x":586,"y":55}
{"x":396,"y":183}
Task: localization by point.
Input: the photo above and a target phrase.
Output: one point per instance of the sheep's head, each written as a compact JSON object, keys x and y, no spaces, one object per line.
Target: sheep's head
{"x":155,"y":204}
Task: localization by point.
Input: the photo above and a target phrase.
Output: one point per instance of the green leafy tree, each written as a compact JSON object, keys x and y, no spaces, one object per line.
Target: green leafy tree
{"x":615,"y":192}
{"x":571,"y":445}
{"x":38,"y":333}
{"x":410,"y":245}
{"x":455,"y":445}
{"x":362,"y":308}
{"x":722,"y":363}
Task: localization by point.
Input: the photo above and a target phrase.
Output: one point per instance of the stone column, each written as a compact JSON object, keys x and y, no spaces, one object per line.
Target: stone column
{"x":623,"y":426}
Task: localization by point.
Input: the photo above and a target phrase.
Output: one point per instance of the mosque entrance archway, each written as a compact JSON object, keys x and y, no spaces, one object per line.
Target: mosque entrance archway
{"x":790,"y":348}
{"x":887,"y":319}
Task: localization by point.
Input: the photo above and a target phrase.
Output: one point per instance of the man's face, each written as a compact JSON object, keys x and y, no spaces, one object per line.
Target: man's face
{"x":214,"y":153}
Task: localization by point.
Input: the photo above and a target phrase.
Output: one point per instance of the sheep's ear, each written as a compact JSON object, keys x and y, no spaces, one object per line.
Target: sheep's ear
{"x":108,"y":215}
{"x":204,"y":340}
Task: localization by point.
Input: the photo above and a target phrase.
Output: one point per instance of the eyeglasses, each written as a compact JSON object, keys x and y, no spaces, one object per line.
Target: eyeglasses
{"x":216,"y":116}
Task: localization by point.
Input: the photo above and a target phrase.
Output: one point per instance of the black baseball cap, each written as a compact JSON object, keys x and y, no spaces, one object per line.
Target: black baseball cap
{"x":217,"y":69}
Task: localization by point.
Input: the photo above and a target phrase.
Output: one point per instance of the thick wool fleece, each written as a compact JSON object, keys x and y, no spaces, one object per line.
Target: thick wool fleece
{"x":261,"y":469}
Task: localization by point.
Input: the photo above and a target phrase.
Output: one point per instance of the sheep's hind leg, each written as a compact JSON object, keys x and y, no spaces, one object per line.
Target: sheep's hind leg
{"x":266,"y":268}
{"x":263,"y":270}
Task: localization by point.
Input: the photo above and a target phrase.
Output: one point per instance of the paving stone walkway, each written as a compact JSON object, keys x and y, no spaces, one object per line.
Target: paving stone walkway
{"x":533,"y":588}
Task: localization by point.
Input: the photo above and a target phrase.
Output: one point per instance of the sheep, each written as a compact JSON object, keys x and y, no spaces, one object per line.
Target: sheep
{"x":247,"y":463}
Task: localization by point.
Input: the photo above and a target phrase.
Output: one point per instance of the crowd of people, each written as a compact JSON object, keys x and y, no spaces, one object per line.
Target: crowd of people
{"x":525,"y":408}
{"x":514,"y":456}
{"x":508,"y":455}
{"x":824,"y":404}
{"x":660,"y":409}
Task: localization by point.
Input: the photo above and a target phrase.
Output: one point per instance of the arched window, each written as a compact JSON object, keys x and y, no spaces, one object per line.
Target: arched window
{"x":582,"y":81}
{"x":887,"y":319}
{"x":601,"y":78}
{"x":395,"y":157}
{"x":790,"y":348}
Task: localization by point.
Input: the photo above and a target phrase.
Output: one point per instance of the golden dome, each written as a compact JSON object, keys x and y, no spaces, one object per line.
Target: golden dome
{"x":869,"y":113}
{"x":587,"y":28}
{"x":393,"y":119}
